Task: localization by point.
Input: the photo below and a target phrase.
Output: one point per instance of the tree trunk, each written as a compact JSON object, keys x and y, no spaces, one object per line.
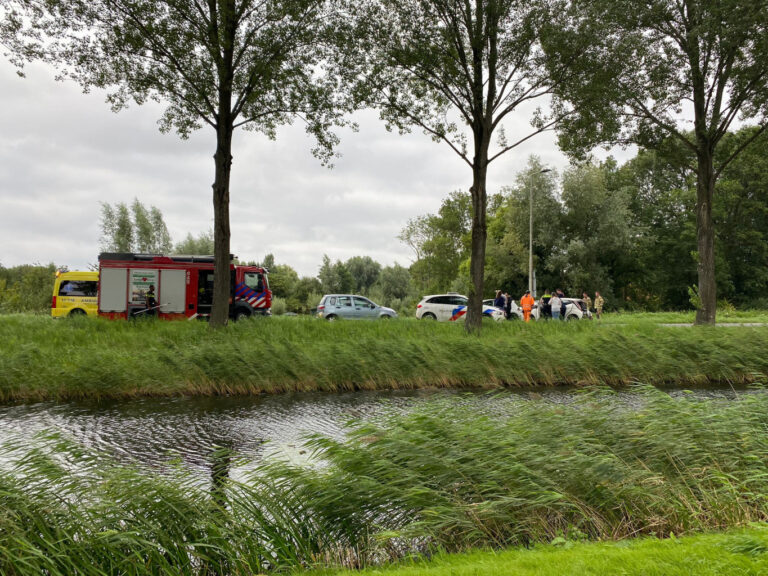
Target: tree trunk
{"x":474,"y":319}
{"x":225,"y":36}
{"x":705,"y":189}
{"x":221,"y":232}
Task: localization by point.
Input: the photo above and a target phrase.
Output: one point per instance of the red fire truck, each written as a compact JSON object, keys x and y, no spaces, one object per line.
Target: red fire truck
{"x":183,"y":287}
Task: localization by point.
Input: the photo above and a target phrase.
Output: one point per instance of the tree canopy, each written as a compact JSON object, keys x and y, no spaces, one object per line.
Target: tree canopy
{"x":687,"y":69}
{"x":456,"y":69}
{"x":221,"y":63}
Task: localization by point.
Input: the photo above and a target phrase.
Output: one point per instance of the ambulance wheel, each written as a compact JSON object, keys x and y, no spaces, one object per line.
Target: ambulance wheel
{"x":242,"y":314}
{"x":77,"y":312}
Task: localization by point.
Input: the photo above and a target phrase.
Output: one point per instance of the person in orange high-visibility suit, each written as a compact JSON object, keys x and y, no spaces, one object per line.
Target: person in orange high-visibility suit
{"x":527,"y":302}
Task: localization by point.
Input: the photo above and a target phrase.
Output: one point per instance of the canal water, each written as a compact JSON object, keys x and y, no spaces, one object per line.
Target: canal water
{"x":152,"y":432}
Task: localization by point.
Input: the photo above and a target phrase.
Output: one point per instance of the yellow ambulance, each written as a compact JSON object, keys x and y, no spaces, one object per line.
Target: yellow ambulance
{"x":75,"y":293}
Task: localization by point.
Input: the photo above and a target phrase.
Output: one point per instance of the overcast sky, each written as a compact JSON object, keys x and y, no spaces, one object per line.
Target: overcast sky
{"x":62,"y":152}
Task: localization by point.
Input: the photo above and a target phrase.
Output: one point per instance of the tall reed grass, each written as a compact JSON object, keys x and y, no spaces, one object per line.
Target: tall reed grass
{"x":440,"y":478}
{"x":41,"y":358}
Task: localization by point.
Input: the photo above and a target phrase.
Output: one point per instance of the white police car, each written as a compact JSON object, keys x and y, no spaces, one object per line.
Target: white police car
{"x":450,"y":308}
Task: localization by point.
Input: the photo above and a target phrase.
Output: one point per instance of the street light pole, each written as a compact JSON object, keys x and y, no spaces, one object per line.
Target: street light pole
{"x":530,"y":228}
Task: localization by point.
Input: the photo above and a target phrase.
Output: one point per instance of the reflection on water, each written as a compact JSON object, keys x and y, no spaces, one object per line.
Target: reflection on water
{"x":205,"y":433}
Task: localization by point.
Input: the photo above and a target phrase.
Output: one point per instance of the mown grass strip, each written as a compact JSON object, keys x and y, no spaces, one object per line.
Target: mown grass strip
{"x":742,"y":551}
{"x":93,"y":358}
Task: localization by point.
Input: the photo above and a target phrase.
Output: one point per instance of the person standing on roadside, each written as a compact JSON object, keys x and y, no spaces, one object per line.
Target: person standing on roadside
{"x":599,"y":302}
{"x":498,"y":302}
{"x":507,"y":305}
{"x":527,"y":302}
{"x":544,"y":308}
{"x":555,"y":303}
{"x":151,"y":301}
{"x":587,"y":301}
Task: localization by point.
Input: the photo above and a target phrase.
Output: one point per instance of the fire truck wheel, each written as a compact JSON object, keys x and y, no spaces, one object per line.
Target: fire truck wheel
{"x":242,"y":314}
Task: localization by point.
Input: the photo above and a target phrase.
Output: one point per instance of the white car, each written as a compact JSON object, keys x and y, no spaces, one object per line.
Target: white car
{"x":515,"y":312}
{"x":450,"y":308}
{"x":575,"y":309}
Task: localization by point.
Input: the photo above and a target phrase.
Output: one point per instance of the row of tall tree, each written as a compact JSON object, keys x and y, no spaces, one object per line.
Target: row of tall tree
{"x":602,"y":71}
{"x":141,"y":229}
{"x":628,"y":231}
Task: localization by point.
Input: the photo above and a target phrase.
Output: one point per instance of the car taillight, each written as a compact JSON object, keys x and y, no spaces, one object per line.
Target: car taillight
{"x":419,"y":306}
{"x":53,"y":302}
{"x":321,"y":307}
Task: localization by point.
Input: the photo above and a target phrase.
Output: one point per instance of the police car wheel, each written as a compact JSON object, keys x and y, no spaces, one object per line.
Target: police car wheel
{"x":429,"y":316}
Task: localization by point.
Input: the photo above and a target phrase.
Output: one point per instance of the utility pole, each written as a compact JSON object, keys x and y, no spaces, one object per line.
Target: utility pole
{"x":530,"y":227}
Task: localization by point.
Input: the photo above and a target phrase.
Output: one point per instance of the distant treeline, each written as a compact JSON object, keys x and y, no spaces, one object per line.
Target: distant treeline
{"x":627,"y":231}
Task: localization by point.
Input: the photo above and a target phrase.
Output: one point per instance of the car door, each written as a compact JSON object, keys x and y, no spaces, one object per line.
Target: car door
{"x":344,"y":307}
{"x":458,"y":308}
{"x":440,"y":307}
{"x":364,"y":308}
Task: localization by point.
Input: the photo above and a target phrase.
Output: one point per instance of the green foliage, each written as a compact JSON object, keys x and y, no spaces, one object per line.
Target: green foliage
{"x":457,"y":71}
{"x":395,"y":282}
{"x":439,"y":479}
{"x":447,"y":478}
{"x":509,"y":228}
{"x":364,"y":271}
{"x":693,"y":294}
{"x":201,"y":244}
{"x":737,"y":551}
{"x":235,"y":63}
{"x":628,"y":231}
{"x":27,"y":288}
{"x":133,"y":230}
{"x":335,"y":278}
{"x":441,"y":243}
{"x":283,"y":280}
{"x":279,"y":306}
{"x":123,"y":359}
{"x":627,"y":92}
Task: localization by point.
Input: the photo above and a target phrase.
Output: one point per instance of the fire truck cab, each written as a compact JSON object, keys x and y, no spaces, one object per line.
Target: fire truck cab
{"x":183,"y":286}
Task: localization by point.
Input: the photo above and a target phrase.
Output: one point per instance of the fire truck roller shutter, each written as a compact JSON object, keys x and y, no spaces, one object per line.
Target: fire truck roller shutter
{"x":114,"y":289}
{"x":173,"y":290}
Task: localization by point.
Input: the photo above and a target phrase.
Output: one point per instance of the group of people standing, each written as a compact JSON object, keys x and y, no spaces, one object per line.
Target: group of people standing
{"x":599,"y":303}
{"x":550,"y":305}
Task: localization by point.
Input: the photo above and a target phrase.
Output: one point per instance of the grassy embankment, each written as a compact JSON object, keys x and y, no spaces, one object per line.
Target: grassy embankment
{"x":742,"y":551}
{"x":41,"y":358}
{"x":442,"y":478}
{"x":687,"y":317}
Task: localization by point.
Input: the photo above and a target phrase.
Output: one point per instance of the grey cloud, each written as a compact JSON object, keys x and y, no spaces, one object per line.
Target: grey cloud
{"x":61,"y":152}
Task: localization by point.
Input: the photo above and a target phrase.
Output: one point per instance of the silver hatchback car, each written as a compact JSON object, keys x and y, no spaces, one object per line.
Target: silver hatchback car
{"x":333,"y":306}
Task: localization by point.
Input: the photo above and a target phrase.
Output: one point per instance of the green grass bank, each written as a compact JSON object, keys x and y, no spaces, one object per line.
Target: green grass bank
{"x":67,"y":359}
{"x":441,"y":478}
{"x":740,"y":551}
